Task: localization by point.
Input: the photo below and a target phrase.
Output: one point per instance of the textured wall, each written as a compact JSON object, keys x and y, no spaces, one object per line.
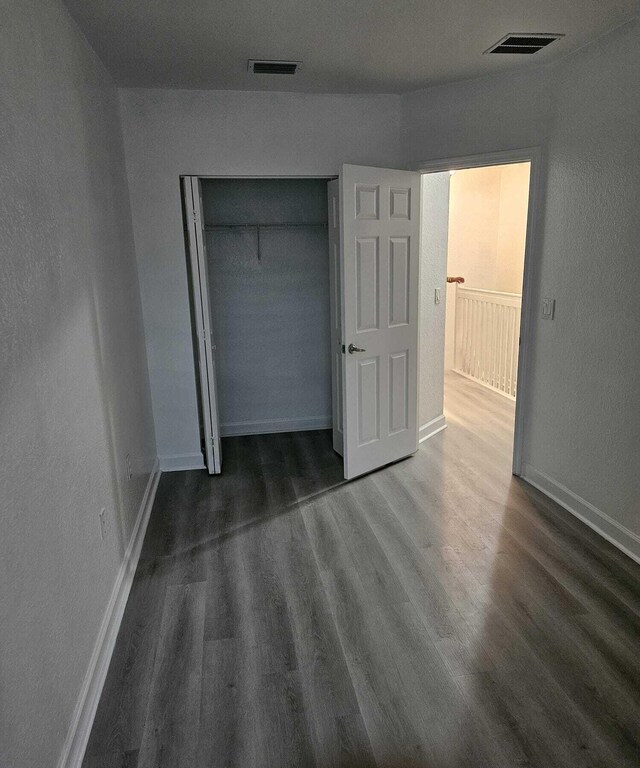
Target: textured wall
{"x":474,"y":216}
{"x":512,"y":226}
{"x":270,"y":315}
{"x":73,"y":380}
{"x":584,"y":419}
{"x":168,"y":133}
{"x":433,"y":273}
{"x":487,"y":226}
{"x":484,"y":115}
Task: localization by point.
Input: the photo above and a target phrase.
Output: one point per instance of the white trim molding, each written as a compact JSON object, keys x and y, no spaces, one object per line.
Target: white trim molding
{"x":85,"y":710}
{"x":275,"y":425}
{"x":613,"y":531}
{"x":181,"y":461}
{"x":431,"y":428}
{"x":461,"y":162}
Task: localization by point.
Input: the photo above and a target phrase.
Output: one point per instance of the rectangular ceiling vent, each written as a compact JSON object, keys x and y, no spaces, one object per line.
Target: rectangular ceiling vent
{"x":523,"y":43}
{"x":264,"y":67}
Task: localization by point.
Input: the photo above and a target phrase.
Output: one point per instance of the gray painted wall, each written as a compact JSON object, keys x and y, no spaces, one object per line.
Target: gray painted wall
{"x":168,"y":133}
{"x":485,"y":115}
{"x":581,"y":418}
{"x":270,"y":315}
{"x":433,"y":274}
{"x":74,"y":394}
{"x":585,"y":397}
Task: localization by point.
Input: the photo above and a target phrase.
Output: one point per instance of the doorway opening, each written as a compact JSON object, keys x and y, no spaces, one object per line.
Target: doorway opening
{"x":477,"y":227}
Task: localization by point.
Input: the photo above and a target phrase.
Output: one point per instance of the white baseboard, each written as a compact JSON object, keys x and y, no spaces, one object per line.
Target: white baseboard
{"x":431,"y":428}
{"x":78,"y":735}
{"x":619,"y":535}
{"x":181,"y":461}
{"x":275,"y":425}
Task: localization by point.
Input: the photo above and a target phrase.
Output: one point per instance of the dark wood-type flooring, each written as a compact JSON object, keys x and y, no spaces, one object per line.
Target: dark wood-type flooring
{"x":438,"y":613}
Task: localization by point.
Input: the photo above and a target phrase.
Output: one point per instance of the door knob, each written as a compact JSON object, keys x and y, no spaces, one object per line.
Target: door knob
{"x":352,"y":348}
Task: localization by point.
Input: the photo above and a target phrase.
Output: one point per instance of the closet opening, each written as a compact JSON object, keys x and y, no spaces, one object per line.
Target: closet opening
{"x":262,"y":250}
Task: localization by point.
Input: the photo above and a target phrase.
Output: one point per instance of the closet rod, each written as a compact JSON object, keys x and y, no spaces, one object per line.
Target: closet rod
{"x":284,"y":225}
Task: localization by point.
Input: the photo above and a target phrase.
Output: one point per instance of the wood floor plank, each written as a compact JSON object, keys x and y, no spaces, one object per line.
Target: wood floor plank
{"x":173,"y":715}
{"x":227,"y":735}
{"x":400,"y":677}
{"x":122,"y":711}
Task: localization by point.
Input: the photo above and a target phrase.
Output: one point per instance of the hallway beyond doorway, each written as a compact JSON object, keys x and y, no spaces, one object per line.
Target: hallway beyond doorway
{"x":488,"y":415}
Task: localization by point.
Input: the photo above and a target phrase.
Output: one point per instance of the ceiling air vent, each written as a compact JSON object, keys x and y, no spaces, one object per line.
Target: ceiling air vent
{"x":523,"y":43}
{"x":262,"y":67}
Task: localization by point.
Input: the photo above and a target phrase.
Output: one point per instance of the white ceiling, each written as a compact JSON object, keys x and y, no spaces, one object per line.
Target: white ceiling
{"x":385,"y":46}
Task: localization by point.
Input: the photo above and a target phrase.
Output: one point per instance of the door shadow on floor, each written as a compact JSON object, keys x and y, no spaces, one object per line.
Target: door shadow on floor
{"x":264,"y":477}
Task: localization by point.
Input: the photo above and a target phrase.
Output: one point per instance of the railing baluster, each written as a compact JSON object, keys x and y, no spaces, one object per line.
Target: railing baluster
{"x":486,"y":337}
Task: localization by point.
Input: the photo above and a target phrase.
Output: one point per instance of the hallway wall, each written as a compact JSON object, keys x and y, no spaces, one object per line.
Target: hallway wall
{"x":487,"y":230}
{"x":512,"y":226}
{"x":433,"y":272}
{"x":487,"y":226}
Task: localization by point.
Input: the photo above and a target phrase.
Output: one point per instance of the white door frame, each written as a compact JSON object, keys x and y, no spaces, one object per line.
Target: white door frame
{"x":533,"y":155}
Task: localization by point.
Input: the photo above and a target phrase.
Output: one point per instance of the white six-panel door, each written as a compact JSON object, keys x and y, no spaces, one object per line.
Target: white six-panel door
{"x":379,"y":287}
{"x":202,"y":316}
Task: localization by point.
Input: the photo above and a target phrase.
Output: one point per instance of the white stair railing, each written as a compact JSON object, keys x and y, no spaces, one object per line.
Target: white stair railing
{"x":487,"y":337}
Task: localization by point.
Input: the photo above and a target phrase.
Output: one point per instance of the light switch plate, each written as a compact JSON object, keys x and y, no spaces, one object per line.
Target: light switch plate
{"x":548,"y":308}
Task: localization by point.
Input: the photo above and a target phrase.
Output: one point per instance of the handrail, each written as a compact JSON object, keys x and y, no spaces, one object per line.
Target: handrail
{"x":487,"y":290}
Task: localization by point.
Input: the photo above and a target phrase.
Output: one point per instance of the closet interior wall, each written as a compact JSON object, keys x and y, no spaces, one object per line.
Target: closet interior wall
{"x":267,"y":251}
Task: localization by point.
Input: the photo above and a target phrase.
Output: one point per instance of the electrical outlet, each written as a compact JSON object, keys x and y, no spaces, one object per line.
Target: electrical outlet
{"x":103,"y":523}
{"x":127,"y":463}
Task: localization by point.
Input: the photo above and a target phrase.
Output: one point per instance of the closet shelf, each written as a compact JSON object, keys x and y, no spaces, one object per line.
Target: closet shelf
{"x":283,"y":225}
{"x":259,"y":227}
